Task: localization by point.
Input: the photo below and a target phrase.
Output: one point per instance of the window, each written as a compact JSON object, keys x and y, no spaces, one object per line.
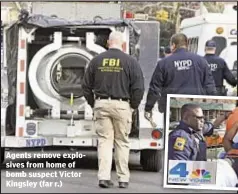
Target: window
{"x":235,"y":7}
{"x":221,"y":44}
{"x":189,"y":44}
{"x":235,"y":65}
{"x":196,"y":48}
{"x":193,"y":44}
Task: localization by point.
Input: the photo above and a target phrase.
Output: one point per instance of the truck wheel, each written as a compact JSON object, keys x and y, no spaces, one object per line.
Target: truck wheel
{"x":151,"y":160}
{"x":2,"y":155}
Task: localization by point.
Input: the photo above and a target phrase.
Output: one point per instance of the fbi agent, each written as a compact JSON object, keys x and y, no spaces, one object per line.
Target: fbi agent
{"x":116,"y":81}
{"x":219,"y":68}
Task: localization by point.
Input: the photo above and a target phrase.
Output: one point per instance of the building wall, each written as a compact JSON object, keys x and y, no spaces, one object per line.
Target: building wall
{"x":212,"y":108}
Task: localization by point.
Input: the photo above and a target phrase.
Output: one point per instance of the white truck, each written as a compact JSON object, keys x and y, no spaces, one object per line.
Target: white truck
{"x":46,"y":57}
{"x":220,"y":27}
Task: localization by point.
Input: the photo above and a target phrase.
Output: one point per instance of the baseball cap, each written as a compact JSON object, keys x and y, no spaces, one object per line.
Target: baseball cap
{"x":210,"y":43}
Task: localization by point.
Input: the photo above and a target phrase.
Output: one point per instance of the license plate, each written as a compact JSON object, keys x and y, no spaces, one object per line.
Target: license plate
{"x":35,"y":142}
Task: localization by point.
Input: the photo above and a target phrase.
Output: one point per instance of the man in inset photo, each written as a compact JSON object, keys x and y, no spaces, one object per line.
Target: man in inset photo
{"x":187,"y":141}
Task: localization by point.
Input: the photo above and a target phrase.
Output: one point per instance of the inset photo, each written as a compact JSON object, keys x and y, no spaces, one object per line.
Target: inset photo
{"x":201,"y":142}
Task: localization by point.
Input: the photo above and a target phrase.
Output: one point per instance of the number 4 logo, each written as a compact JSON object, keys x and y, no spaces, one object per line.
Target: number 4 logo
{"x":180,"y":169}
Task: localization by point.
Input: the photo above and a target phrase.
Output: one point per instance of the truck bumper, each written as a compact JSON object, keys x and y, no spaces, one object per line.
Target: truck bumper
{"x":40,"y":141}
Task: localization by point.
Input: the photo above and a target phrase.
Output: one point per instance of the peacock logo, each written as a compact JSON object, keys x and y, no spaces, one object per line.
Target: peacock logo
{"x":198,"y":173}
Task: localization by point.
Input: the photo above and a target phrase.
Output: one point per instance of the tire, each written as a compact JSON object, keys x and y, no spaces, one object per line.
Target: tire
{"x":10,"y":120}
{"x":151,"y":160}
{"x":2,"y":155}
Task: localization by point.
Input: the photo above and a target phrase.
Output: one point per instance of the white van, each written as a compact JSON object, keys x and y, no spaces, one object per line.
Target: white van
{"x":220,"y":27}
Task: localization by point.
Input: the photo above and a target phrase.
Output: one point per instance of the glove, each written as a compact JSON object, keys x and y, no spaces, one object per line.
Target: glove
{"x":134,"y":112}
{"x":148,"y":115}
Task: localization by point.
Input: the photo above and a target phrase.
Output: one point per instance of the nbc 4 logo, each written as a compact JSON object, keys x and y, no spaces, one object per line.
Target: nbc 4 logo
{"x":201,"y":173}
{"x":181,"y":170}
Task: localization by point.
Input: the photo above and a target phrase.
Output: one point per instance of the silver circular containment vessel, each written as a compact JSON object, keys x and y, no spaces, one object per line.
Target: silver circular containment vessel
{"x":54,"y":73}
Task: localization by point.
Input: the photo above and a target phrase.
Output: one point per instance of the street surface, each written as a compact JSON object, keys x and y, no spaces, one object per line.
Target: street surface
{"x":147,"y":182}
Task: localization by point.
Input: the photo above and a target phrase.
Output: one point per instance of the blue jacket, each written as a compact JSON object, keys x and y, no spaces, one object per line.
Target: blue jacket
{"x":220,"y":70}
{"x":186,"y":144}
{"x":180,"y":73}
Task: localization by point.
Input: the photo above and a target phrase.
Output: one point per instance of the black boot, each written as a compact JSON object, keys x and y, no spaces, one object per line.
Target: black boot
{"x":105,"y":183}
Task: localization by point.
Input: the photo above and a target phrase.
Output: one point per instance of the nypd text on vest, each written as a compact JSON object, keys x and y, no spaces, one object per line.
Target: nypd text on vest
{"x":183,"y":64}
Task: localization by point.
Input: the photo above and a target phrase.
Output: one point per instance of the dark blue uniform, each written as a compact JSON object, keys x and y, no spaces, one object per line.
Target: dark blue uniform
{"x":181,"y":73}
{"x":220,"y":72}
{"x":186,"y":144}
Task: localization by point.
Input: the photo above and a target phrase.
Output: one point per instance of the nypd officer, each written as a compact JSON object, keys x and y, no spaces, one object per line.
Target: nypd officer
{"x":187,"y":141}
{"x":114,"y":86}
{"x":219,"y":68}
{"x":180,"y":73}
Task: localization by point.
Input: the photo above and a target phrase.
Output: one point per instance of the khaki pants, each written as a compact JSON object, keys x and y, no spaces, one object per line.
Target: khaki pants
{"x":113,"y":124}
